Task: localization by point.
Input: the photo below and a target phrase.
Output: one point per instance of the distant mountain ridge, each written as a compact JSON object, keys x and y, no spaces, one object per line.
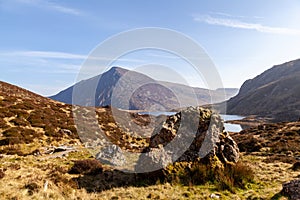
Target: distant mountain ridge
{"x":275,"y":94}
{"x":127,"y":89}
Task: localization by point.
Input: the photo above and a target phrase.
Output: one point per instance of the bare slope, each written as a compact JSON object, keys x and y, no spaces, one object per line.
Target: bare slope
{"x":274,"y":93}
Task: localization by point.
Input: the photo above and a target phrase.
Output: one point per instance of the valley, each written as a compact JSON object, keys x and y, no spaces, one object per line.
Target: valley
{"x":54,"y":150}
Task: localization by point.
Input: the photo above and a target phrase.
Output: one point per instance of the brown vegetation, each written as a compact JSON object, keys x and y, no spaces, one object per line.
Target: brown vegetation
{"x":87,"y":167}
{"x":276,"y":141}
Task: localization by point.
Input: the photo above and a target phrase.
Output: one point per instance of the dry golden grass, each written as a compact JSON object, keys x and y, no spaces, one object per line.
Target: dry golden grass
{"x":25,"y":178}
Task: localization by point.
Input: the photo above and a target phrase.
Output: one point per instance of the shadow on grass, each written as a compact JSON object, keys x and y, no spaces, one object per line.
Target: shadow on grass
{"x":184,"y":173}
{"x":277,"y":196}
{"x":109,"y":179}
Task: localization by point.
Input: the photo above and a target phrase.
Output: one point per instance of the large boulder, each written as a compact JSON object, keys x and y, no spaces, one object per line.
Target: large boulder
{"x":112,"y":155}
{"x":191,"y":135}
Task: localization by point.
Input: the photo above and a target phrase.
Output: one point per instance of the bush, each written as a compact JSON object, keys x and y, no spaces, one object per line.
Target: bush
{"x":227,"y":178}
{"x":238,"y":175}
{"x":19,"y":122}
{"x":17,"y":135}
{"x":36,"y":119}
{"x":10,"y":141}
{"x":87,"y":167}
{"x":32,"y":187}
{"x":12,"y":150}
{"x":12,"y":136}
{"x":51,"y":132}
{"x":1,"y":174}
{"x":3,"y":123}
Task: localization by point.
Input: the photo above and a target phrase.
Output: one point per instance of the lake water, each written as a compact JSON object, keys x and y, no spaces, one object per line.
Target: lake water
{"x":232,"y":127}
{"x":228,"y":127}
{"x":157,"y":113}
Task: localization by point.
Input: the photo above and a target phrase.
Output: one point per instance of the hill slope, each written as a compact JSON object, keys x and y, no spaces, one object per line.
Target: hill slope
{"x":29,"y":121}
{"x":274,"y":94}
{"x":27,"y":118}
{"x":126,"y":89}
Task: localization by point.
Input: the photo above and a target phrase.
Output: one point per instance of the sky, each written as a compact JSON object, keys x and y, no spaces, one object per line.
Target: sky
{"x":44,"y":43}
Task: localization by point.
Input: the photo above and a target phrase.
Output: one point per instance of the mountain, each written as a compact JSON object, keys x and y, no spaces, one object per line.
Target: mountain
{"x":274,"y":94}
{"x":131,"y":90}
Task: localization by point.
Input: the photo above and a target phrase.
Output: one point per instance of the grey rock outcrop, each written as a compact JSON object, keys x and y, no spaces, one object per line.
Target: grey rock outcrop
{"x":111,"y":154}
{"x":191,"y":135}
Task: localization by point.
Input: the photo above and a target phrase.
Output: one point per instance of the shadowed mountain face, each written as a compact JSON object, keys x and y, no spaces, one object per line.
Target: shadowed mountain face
{"x":131,"y":90}
{"x":274,"y":93}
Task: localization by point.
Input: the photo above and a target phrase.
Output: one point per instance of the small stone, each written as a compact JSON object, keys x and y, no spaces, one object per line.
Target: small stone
{"x":214,"y":196}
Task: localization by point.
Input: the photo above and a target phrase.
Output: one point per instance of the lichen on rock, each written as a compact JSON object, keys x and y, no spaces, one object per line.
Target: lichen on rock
{"x":191,"y":135}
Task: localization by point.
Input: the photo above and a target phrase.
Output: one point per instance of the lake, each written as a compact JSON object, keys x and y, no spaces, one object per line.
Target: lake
{"x":228,"y":127}
{"x":232,"y":127}
{"x":157,"y":113}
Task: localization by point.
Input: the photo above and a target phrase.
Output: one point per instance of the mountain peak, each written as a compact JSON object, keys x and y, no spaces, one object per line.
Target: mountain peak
{"x":116,"y":69}
{"x":138,"y":90}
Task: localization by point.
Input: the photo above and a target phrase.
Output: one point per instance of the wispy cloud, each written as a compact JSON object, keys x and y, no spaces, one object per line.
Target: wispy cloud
{"x":233,"y":23}
{"x":52,"y":6}
{"x":63,"y":9}
{"x":222,"y":14}
{"x":64,"y":55}
{"x":58,"y":62}
{"x":44,"y":54}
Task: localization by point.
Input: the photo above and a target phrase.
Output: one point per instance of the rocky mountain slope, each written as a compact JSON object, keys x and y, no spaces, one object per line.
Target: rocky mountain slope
{"x":126,"y":89}
{"x":274,"y":94}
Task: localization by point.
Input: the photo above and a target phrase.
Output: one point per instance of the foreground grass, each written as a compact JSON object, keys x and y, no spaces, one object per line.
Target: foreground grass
{"x":25,"y":178}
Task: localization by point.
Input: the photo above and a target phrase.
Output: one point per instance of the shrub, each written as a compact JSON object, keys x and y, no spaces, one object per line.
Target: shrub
{"x":227,"y":178}
{"x":12,"y":136}
{"x":296,"y":166}
{"x":17,"y":135}
{"x":19,"y":122}
{"x":12,"y":150}
{"x":3,"y":123}
{"x":2,"y":174}
{"x":51,"y":132}
{"x":10,"y":141}
{"x":32,"y":187}
{"x":36,"y":120}
{"x":88,"y":167}
{"x":238,"y":175}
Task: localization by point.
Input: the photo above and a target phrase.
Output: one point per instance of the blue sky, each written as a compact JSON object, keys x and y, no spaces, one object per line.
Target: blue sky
{"x":43,"y":43}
